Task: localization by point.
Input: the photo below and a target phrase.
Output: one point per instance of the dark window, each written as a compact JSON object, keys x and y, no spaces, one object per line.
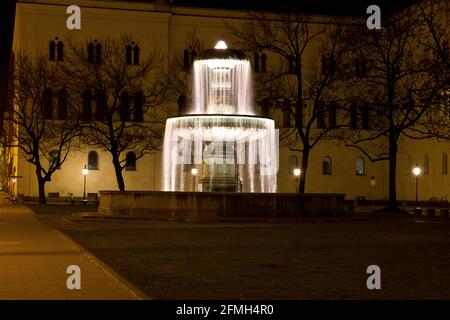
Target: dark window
{"x":320,"y":115}
{"x":128,"y":54}
{"x":130,"y":161}
{"x":62,"y":104}
{"x":60,"y":51}
{"x":186,"y":64}
{"x":136,"y":54}
{"x":326,"y":166}
{"x":263,"y":62}
{"x":47,"y":104}
{"x":182,"y":104}
{"x":138,"y":107}
{"x":353,"y":116}
{"x":93,"y":160}
{"x":360,"y":170}
{"x":332,"y":111}
{"x":256,"y":63}
{"x":101,"y":106}
{"x":52,"y":50}
{"x":53,"y":160}
{"x":87,"y":105}
{"x":124,"y":107}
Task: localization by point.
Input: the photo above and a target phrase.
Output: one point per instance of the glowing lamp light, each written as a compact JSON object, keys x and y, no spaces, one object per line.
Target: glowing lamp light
{"x":416,"y":171}
{"x":221,"y":45}
{"x":85,"y":170}
{"x":194,"y":171}
{"x":297,"y":172}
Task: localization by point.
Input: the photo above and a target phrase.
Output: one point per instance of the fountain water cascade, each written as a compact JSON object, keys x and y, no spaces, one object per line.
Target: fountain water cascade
{"x":221,"y":144}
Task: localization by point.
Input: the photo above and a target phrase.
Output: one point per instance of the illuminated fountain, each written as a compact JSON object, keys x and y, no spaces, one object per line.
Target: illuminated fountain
{"x":220,"y":144}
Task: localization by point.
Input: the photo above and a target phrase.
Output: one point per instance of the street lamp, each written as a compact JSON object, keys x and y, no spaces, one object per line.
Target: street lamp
{"x":297,"y":172}
{"x":416,"y":171}
{"x":85,"y":172}
{"x":194,"y":172}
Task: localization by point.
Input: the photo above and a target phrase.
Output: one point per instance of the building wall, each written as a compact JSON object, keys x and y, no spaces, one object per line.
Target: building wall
{"x":167,"y":29}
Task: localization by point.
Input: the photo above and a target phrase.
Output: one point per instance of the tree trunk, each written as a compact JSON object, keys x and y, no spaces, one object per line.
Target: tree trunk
{"x":393,"y":148}
{"x":41,"y":186}
{"x":304,"y":168}
{"x":119,"y":176}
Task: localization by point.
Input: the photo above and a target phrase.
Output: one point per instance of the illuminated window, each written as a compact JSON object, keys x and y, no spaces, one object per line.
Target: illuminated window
{"x":326,"y":166}
{"x":130,"y":161}
{"x":93,"y":160}
{"x":360,"y":170}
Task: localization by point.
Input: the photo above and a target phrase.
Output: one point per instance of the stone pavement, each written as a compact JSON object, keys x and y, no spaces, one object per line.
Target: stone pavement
{"x":34,"y":259}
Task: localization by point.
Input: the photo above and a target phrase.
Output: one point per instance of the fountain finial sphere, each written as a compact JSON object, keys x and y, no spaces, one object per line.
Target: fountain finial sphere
{"x":221,"y":45}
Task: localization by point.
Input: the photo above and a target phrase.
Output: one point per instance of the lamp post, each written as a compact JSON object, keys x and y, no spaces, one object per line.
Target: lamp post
{"x":297,"y":173}
{"x":416,"y":171}
{"x":194,"y":172}
{"x":85,"y":172}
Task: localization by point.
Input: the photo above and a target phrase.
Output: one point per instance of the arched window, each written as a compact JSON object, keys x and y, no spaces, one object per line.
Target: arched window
{"x":62,"y":104}
{"x":360,"y":170}
{"x":426,"y":165}
{"x":130,"y":161}
{"x":124,"y":106}
{"x":47,"y":104}
{"x":87,"y":105}
{"x":52,"y":50}
{"x":256,"y":62}
{"x":60,"y":50}
{"x":444,"y":163}
{"x":326,"y":166}
{"x":182,"y":104}
{"x":138,"y":107}
{"x":93,"y":160}
{"x":186,"y":62}
{"x":128,"y":54}
{"x":293,"y":164}
{"x":53,"y":160}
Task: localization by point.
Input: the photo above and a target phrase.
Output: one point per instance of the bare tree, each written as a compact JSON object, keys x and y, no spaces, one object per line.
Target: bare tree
{"x":44,"y":134}
{"x":122,"y":92}
{"x":399,"y":87}
{"x":302,"y":87}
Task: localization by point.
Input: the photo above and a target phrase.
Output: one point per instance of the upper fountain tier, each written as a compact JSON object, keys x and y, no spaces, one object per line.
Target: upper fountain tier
{"x":222,"y":82}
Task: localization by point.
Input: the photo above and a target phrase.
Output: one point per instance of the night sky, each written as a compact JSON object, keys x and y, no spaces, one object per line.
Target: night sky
{"x":333,"y":7}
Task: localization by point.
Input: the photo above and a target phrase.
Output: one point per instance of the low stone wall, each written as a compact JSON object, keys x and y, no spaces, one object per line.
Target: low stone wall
{"x":218,"y":205}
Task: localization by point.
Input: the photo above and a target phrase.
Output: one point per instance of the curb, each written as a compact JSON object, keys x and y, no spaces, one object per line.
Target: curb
{"x":121,"y":282}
